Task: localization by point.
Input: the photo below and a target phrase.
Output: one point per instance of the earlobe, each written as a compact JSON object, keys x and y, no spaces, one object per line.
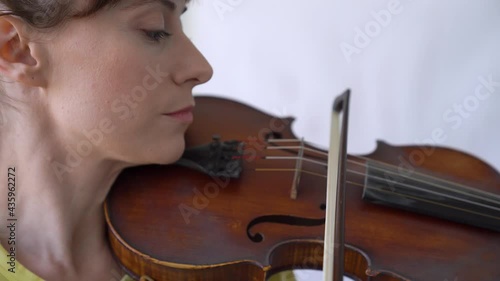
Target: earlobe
{"x":17,"y":60}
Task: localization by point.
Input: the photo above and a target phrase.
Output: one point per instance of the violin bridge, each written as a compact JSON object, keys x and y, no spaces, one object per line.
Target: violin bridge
{"x":298,"y":168}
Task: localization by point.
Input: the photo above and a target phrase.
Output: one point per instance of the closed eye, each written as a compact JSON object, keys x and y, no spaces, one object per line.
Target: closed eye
{"x":156,"y":35}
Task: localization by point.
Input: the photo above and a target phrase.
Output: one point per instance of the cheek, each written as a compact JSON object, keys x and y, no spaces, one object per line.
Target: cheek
{"x":120,"y":113}
{"x":86,"y":94}
{"x":109,"y":94}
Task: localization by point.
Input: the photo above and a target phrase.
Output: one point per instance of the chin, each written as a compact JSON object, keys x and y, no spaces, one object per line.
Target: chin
{"x":172,"y":152}
{"x":160,"y":151}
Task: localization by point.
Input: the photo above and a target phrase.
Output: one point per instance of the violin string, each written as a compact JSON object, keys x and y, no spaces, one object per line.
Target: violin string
{"x":375,"y":177}
{"x":383,"y":170}
{"x":298,"y":147}
{"x":325,"y":154}
{"x":431,"y":202}
{"x":288,"y":170}
{"x":471,"y":189}
{"x":453,"y":190}
{"x":386,"y":191}
{"x":296,"y":158}
{"x":378,"y":162}
{"x":390,"y":166}
{"x":434,"y":192}
{"x":440,"y":204}
{"x":404,"y":184}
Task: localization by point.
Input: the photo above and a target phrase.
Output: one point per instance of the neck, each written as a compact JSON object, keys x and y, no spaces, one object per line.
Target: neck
{"x":58,"y":201}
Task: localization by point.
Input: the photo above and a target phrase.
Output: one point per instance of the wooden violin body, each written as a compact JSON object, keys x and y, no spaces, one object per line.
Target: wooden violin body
{"x":174,"y":223}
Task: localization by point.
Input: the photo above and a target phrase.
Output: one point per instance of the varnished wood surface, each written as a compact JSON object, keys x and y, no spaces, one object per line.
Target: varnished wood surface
{"x":152,"y":236}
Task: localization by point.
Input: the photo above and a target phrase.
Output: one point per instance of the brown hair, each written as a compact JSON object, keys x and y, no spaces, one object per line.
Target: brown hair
{"x":44,"y":14}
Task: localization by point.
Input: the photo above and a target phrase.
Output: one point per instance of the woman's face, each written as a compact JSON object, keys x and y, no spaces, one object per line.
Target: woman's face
{"x":115,"y":75}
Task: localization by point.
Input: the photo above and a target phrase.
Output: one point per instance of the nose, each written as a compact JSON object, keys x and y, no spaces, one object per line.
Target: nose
{"x":192,"y":66}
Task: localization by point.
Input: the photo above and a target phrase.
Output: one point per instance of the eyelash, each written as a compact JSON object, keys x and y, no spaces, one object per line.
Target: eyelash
{"x":157,"y":35}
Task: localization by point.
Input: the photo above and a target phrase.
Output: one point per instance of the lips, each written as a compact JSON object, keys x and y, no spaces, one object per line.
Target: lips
{"x":184,"y":115}
{"x":186,"y":109}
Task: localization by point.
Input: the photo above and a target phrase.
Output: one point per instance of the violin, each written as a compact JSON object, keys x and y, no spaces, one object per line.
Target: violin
{"x":247,"y":200}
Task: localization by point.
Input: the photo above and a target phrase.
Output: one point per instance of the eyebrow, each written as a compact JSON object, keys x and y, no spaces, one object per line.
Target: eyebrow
{"x":167,"y":3}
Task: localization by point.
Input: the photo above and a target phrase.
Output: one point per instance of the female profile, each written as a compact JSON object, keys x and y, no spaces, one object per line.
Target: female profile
{"x":88,"y":88}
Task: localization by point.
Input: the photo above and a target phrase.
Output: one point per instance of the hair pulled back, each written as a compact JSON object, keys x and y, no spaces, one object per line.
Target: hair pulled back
{"x":44,"y":14}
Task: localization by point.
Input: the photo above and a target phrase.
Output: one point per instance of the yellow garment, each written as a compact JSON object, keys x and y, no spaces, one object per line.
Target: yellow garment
{"x":283,"y":276}
{"x":21,"y":272}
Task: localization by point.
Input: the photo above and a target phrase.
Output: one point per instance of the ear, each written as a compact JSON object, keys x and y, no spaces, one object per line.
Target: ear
{"x":20,"y":59}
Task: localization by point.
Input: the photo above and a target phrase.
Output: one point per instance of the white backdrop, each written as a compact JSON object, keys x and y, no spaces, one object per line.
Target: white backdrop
{"x":420,"y":71}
